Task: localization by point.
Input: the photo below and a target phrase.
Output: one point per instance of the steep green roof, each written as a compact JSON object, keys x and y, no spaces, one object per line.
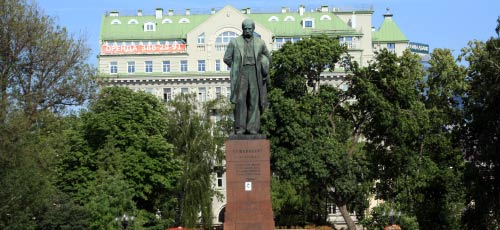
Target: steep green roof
{"x":125,"y":31}
{"x":330,"y":24}
{"x":324,"y":23}
{"x":388,"y":32}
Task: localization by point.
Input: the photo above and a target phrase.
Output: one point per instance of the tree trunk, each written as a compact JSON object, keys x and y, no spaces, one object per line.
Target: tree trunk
{"x":347,"y":217}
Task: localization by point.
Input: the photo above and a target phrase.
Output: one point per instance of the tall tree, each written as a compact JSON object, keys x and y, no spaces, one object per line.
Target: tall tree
{"x":42,"y":67}
{"x":482,"y":134}
{"x":123,"y":135}
{"x":411,"y":133}
{"x":198,"y":143}
{"x":314,"y":154}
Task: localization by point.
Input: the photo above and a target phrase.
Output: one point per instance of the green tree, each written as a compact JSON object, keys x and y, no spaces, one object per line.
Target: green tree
{"x":28,"y":154}
{"x":123,"y":135}
{"x":412,"y":133}
{"x":198,"y":143}
{"x":482,"y":134}
{"x":42,"y":67}
{"x":314,"y":155}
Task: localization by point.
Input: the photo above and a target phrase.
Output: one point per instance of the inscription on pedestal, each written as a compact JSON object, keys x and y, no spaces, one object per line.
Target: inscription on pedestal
{"x":248,"y":185}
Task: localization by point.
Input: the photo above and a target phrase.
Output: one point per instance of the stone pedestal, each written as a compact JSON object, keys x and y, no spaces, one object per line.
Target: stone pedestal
{"x":248,"y":181}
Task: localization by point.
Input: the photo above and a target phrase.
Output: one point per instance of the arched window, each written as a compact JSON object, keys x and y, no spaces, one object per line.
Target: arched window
{"x":133,"y":21}
{"x":116,"y":22}
{"x":289,"y":19}
{"x":149,"y":26}
{"x":273,"y":19}
{"x":166,"y":20}
{"x":184,"y":20}
{"x":325,"y":17}
{"x":225,"y":37}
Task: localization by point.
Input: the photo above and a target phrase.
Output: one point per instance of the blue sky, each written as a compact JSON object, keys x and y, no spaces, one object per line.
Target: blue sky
{"x":439,"y":23}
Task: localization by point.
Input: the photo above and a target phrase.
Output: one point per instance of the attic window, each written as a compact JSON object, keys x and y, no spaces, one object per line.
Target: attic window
{"x":149,"y":26}
{"x":308,"y":23}
{"x":273,"y":19}
{"x":166,"y":20}
{"x":184,"y":20}
{"x":289,"y":19}
{"x":325,"y":18}
{"x":116,"y":22}
{"x":133,"y":21}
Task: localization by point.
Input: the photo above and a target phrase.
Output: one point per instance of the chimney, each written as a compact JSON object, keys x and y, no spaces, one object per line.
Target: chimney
{"x":302,"y":9}
{"x":283,"y":9}
{"x":113,"y":13}
{"x":139,"y":13}
{"x":248,"y":11}
{"x":213,"y":11}
{"x":324,"y":8}
{"x":188,"y":11}
{"x":170,"y":12}
{"x":159,"y":13}
{"x":373,"y":28}
{"x":353,"y":20}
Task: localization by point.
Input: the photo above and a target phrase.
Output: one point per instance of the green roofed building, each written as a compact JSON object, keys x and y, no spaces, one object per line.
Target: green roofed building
{"x":170,"y":53}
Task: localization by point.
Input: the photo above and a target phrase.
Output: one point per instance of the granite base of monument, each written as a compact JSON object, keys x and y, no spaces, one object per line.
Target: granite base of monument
{"x":248,"y":181}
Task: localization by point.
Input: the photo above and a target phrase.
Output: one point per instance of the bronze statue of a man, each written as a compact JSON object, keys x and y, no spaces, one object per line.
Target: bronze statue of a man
{"x":249,"y":60}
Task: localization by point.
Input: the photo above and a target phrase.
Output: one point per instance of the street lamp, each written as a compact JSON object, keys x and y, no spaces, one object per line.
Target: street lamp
{"x":124,"y":220}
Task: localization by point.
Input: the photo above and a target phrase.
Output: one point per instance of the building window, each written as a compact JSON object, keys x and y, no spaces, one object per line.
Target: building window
{"x":201,"y":38}
{"x":166,"y":66}
{"x":217,"y":65}
{"x":133,"y":21}
{"x":331,"y":208}
{"x":148,"y":66}
{"x":202,"y":94}
{"x":223,"y":40}
{"x":166,"y":20}
{"x":228,"y":92}
{"x":273,"y":19}
{"x":149,"y":26}
{"x":113,"y":67}
{"x":219,"y":178}
{"x":131,"y":67}
{"x":391,"y":46}
{"x":184,"y":65}
{"x":167,"y":94}
{"x":325,"y":17}
{"x":308,"y":23}
{"x":184,"y":20}
{"x":116,"y":22}
{"x":218,"y":92}
{"x":201,"y":65}
{"x":150,"y":91}
{"x":226,"y":37}
{"x":184,"y":90}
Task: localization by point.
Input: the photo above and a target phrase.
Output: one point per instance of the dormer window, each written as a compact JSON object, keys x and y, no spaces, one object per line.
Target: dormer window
{"x":289,"y":19}
{"x":184,"y":20}
{"x":166,"y":20}
{"x":116,"y":22}
{"x":273,"y":19}
{"x":133,"y":21}
{"x":308,"y":23}
{"x":325,"y":18}
{"x":149,"y":26}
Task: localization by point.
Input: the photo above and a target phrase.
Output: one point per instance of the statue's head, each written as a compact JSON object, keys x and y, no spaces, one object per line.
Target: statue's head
{"x":248,"y":27}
